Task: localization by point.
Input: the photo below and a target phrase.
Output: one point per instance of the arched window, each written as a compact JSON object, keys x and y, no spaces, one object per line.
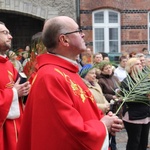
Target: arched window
{"x":106,"y":31}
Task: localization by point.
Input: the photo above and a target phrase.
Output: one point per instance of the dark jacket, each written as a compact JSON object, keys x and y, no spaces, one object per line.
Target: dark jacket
{"x":136,"y":110}
{"x":108,"y":85}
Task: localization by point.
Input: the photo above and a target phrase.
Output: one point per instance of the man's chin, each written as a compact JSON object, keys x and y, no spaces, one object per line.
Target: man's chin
{"x":84,"y":49}
{"x":8,"y":46}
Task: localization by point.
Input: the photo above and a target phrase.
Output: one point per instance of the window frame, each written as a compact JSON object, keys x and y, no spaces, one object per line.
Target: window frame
{"x":148,"y":30}
{"x":106,"y":26}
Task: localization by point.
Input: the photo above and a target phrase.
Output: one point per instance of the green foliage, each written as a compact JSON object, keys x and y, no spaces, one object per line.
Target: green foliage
{"x":138,"y":89}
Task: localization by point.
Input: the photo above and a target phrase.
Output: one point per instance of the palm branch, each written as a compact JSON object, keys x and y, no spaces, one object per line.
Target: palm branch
{"x":138,"y":89}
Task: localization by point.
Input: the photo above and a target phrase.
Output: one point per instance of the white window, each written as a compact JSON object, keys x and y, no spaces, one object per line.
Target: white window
{"x":149,"y":30}
{"x":106,"y":31}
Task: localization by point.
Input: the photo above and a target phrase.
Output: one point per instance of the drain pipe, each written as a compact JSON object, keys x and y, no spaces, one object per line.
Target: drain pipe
{"x":78,"y":12}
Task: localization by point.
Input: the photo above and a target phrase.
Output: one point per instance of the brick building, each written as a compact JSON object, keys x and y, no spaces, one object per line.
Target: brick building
{"x":116,"y":26}
{"x":112,"y":26}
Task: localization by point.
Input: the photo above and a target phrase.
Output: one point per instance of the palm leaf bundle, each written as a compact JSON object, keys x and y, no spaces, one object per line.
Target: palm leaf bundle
{"x":138,"y":89}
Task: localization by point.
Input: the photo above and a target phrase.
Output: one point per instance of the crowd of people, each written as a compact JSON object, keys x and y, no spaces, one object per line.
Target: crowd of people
{"x":108,"y":78}
{"x":71,"y":93}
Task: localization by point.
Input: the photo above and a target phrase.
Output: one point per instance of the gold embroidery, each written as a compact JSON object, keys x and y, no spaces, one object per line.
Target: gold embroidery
{"x":15,"y":129}
{"x":34,"y":79}
{"x":11,"y":83}
{"x":76,"y":88}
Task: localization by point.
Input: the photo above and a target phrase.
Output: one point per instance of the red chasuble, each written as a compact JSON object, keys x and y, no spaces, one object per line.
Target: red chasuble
{"x":9,"y":128}
{"x":60,"y":113}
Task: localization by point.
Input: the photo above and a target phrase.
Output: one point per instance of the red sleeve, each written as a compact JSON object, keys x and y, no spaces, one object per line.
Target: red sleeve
{"x":5,"y":102}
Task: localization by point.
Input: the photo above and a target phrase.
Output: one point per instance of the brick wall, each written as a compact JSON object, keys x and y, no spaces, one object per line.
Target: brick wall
{"x":134,"y":21}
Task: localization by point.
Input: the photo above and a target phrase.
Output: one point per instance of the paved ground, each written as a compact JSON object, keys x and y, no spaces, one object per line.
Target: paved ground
{"x":121,"y":139}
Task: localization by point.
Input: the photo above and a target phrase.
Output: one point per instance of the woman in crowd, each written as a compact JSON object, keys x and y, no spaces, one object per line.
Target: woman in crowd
{"x":136,"y":116}
{"x":108,"y":83}
{"x":88,"y":73}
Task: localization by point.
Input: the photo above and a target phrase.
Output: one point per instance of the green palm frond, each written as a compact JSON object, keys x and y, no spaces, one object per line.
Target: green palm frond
{"x":138,"y":89}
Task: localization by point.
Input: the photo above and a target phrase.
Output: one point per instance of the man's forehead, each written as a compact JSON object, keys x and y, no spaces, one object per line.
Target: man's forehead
{"x":3,"y":27}
{"x":99,"y":55}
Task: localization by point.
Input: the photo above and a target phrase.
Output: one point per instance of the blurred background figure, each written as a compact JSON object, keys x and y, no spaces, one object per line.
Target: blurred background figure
{"x":19,"y":55}
{"x":26,"y":58}
{"x":79,"y":62}
{"x":97,"y":58}
{"x":105,"y":56}
{"x":37,"y":48}
{"x":147,"y":61}
{"x":126,"y":54}
{"x":27,"y":48}
{"x":86,"y":57}
{"x":141,"y":57}
{"x":12,"y":56}
{"x":145,"y":51}
{"x":132,"y":54}
{"x":120,"y":71}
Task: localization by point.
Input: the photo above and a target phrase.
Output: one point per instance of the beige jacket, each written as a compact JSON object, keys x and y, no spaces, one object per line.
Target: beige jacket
{"x":101,"y":101}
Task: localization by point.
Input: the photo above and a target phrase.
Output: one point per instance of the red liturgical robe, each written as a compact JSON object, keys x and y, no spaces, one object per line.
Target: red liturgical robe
{"x":9,"y":128}
{"x":60,"y":113}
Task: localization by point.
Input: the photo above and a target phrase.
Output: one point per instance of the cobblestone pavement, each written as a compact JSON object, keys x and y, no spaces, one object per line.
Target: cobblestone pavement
{"x":121,"y":139}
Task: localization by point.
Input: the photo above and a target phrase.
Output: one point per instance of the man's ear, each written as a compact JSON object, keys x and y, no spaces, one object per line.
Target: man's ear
{"x":63,"y":40}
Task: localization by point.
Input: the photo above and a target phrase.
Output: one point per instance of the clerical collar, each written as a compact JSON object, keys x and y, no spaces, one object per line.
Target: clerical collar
{"x":72,"y":61}
{"x":3,"y":55}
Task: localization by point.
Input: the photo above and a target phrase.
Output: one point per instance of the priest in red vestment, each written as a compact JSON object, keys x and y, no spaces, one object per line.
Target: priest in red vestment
{"x":61,"y":113}
{"x":11,"y":108}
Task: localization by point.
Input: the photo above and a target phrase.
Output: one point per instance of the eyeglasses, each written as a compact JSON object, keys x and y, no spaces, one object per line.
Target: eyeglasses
{"x":79,"y":30}
{"x":5,"y":32}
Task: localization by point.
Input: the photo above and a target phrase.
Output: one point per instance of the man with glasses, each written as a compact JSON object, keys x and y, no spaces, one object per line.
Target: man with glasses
{"x":11,"y":91}
{"x":61,"y":113}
